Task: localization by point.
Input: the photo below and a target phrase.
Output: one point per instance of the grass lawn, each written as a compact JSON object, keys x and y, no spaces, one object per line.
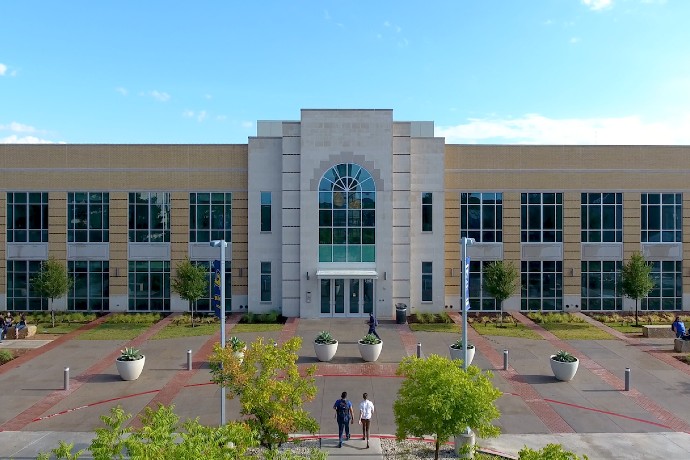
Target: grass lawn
{"x":576,"y":331}
{"x":627,"y":328}
{"x":173,"y":331}
{"x":256,"y":327}
{"x":115,"y":331}
{"x":435,"y":327}
{"x":508,"y":330}
{"x":60,"y":328}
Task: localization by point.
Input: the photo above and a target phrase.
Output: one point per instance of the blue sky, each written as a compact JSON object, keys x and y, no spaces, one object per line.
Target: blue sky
{"x":485,"y":71}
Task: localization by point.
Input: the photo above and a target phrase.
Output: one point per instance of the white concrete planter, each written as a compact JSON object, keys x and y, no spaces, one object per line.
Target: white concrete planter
{"x":130,"y":370}
{"x":456,"y":353}
{"x":325,"y":351}
{"x":462,"y":440}
{"x":370,"y":352}
{"x":564,"y":371}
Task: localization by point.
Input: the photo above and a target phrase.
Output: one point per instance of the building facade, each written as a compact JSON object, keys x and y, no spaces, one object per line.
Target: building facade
{"x":341,"y":213}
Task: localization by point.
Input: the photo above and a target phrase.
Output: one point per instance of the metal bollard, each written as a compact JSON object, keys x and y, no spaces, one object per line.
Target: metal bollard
{"x":627,"y":379}
{"x":66,"y":378}
{"x":419,"y":350}
{"x":505,"y":360}
{"x":189,"y":360}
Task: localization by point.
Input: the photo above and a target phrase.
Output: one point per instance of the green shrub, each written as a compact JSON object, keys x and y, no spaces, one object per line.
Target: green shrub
{"x":549,"y":452}
{"x":5,"y":356}
{"x":134,"y":318}
{"x":249,"y":318}
{"x":419,"y":318}
{"x":445,"y":318}
{"x":370,"y":339}
{"x":429,"y":318}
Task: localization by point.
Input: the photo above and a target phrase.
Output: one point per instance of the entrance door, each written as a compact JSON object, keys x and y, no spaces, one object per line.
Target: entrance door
{"x":342,"y":297}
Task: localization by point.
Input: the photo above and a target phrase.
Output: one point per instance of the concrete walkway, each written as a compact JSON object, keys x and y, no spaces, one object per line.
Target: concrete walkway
{"x":590,"y":415}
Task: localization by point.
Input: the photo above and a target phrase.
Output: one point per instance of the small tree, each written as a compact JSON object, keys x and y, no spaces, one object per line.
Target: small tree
{"x":636,"y":279}
{"x":52,"y":282}
{"x":439,"y":398}
{"x":190,"y":283}
{"x":270,"y":388}
{"x":548,"y":452}
{"x":501,"y":280}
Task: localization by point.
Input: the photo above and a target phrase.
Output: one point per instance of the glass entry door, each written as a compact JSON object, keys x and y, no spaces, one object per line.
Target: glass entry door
{"x":342,"y":297}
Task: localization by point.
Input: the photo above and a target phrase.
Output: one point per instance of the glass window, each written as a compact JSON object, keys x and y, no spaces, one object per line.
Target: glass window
{"x":91,"y":288}
{"x":427,"y":212}
{"x":265,"y":281}
{"x":667,"y":293}
{"x":210,"y":217}
{"x":20,"y":292}
{"x":601,"y":217}
{"x":599,"y":285}
{"x":347,"y":215}
{"x":265,"y":211}
{"x":27,"y":217}
{"x":661,"y":218}
{"x":481,"y":216}
{"x":149,"y":217}
{"x":541,"y":218}
{"x":88,"y":217}
{"x":480,"y":300}
{"x":542,"y":285}
{"x":149,"y":285}
{"x":427,"y":282}
{"x":204,"y":303}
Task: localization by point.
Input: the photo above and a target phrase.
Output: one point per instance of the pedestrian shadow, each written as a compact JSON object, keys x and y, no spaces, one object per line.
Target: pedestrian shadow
{"x":99,"y":378}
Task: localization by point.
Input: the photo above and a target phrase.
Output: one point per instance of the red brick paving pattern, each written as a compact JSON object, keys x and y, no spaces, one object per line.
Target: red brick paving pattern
{"x":542,"y":409}
{"x":35,"y":411}
{"x":661,"y":414}
{"x":172,"y":388}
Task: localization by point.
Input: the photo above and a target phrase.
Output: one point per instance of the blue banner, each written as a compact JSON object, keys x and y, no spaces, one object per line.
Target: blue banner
{"x":466,"y":275}
{"x":216,"y":297}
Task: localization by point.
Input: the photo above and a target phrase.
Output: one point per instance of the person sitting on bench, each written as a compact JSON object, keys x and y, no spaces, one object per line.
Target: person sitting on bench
{"x":679,"y":328}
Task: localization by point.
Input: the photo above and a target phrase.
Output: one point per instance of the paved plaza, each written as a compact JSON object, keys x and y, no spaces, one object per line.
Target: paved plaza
{"x":592,"y":414}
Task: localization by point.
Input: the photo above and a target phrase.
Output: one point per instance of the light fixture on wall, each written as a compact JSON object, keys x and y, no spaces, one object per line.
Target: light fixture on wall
{"x":307,"y":275}
{"x":384,"y":275}
{"x":570,"y":271}
{"x":117,"y":271}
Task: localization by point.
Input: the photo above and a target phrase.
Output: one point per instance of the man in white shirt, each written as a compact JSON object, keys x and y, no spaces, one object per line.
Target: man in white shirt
{"x":366,"y":410}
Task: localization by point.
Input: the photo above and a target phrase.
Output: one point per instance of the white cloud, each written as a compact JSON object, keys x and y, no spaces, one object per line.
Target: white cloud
{"x":597,"y":5}
{"x":199,"y":116}
{"x":18,"y":128}
{"x":122,"y":90}
{"x":14,"y":139}
{"x":3,"y":69}
{"x":159,"y":95}
{"x":247,"y":124}
{"x":537,"y":129}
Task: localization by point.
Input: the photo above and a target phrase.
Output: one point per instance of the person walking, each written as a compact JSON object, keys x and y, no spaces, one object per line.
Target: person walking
{"x":373,"y":322}
{"x":366,"y":410}
{"x":344,"y":416}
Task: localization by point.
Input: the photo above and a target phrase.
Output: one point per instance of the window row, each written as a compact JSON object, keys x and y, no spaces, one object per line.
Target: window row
{"x":88,"y":217}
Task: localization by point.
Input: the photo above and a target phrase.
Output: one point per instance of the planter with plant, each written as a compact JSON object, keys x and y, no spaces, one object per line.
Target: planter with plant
{"x":564,"y":365}
{"x":325,"y":346}
{"x":237,"y":346}
{"x":370,"y":347}
{"x":130,"y":363}
{"x":456,"y":351}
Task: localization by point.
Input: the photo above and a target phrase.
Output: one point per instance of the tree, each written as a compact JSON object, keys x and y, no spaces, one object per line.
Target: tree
{"x":190,"y":283}
{"x":52,"y":282}
{"x":270,"y":388}
{"x":439,"y":398}
{"x":501,"y":280}
{"x":636,"y":279}
{"x":548,"y":452}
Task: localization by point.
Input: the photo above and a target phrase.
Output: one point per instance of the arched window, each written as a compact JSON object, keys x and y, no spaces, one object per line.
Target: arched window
{"x":347,"y":215}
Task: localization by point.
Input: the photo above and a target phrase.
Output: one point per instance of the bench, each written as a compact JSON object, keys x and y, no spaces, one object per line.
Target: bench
{"x":657,"y":331}
{"x":28,"y":331}
{"x":681,"y":346}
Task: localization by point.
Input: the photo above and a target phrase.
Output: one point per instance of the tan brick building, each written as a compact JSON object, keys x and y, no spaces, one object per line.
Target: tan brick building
{"x":341,"y":213}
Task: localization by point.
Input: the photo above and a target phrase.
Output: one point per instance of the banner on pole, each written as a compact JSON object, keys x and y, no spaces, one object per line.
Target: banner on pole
{"x":216,"y":297}
{"x":466,"y":276}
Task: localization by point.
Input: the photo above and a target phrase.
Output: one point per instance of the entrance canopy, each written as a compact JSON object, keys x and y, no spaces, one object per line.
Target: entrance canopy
{"x":347,"y":273}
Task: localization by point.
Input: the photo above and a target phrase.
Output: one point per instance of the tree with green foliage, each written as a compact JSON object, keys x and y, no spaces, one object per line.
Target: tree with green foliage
{"x":501,"y":281}
{"x":52,"y":282}
{"x":548,"y":452}
{"x":439,"y":398}
{"x":636,"y":280}
{"x":269,"y":386}
{"x":190,"y":283}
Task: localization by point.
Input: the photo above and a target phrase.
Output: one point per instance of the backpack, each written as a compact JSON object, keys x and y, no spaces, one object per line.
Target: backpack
{"x":343,"y":410}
